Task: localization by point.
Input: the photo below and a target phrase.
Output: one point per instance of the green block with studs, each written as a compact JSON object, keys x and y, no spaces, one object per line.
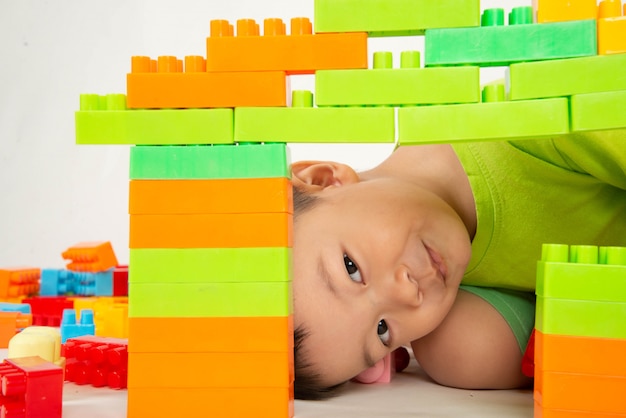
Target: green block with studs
{"x":408,"y":85}
{"x":595,"y":111}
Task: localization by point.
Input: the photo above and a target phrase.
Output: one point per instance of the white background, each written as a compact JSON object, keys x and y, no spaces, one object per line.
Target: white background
{"x":54,"y":193}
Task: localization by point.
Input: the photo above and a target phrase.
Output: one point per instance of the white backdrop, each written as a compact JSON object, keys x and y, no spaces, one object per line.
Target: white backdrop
{"x":54,"y":193}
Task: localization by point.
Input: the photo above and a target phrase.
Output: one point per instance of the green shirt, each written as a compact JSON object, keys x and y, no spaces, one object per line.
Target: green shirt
{"x":563,"y":190}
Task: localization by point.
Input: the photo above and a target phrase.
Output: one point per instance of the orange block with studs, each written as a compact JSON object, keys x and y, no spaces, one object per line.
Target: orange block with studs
{"x":90,"y":256}
{"x":611,"y":27}
{"x":164,"y":83}
{"x":301,"y":52}
{"x":258,"y":195}
{"x":564,"y":10}
{"x":19,"y":281}
{"x":10,"y":324}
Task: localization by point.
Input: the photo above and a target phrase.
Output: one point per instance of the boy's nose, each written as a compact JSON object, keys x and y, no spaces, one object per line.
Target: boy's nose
{"x":402,"y":290}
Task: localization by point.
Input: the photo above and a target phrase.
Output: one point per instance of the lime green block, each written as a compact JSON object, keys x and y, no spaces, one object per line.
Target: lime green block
{"x":187,"y":300}
{"x":581,"y":318}
{"x":209,"y":162}
{"x":315,"y":125}
{"x":503,"y":45}
{"x":395,"y":87}
{"x":203,"y":265}
{"x":595,"y":111}
{"x":105,"y":120}
{"x":567,"y":77}
{"x":394,"y":17}
{"x":482,"y":121}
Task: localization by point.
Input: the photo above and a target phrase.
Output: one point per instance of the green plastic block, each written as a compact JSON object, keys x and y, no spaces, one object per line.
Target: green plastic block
{"x":394,"y":17}
{"x":582,"y":273}
{"x":203,"y":265}
{"x":320,"y":125}
{"x":494,"y":44}
{"x":595,"y":111}
{"x":188,"y":300}
{"x":396,"y":87}
{"x":567,"y":77}
{"x":209,"y":162}
{"x":581,"y":318}
{"x":482,"y":121}
{"x":105,"y":120}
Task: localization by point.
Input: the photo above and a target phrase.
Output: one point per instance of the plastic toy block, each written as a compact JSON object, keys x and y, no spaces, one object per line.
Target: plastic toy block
{"x":110,"y":314}
{"x":10,"y":324}
{"x":189,"y":300}
{"x":584,"y":318}
{"x":563,"y":10}
{"x":106,"y":120}
{"x":595,"y":111}
{"x":565,"y":273}
{"x":482,"y":121}
{"x":120,"y":281}
{"x":55,"y":282}
{"x":494,"y":44}
{"x":93,"y":284}
{"x":541,"y":412}
{"x":202,"y":402}
{"x":408,"y":85}
{"x":582,"y":392}
{"x":269,"y":195}
{"x":44,"y":342}
{"x":301,"y":52}
{"x":70,"y":328}
{"x":15,"y":307}
{"x":90,"y":256}
{"x":611,"y":27}
{"x":48,"y":311}
{"x":394,"y":17}
{"x":97,"y":361}
{"x":31,"y":388}
{"x":211,"y":230}
{"x":209,"y":162}
{"x":202,"y":265}
{"x":558,"y":78}
{"x":163,"y":84}
{"x":19,"y":281}
{"x":193,"y":370}
{"x":304,"y":123}
{"x":564,"y":353}
{"x":197,"y":335}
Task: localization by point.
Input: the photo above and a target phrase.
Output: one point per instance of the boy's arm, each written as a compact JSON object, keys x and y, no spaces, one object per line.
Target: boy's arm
{"x":474,"y":348}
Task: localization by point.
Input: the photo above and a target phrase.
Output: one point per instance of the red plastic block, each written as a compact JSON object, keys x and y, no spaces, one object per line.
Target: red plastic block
{"x":120,"y":281}
{"x":10,"y":324}
{"x":611,"y":27}
{"x":31,"y":388}
{"x":19,"y":281}
{"x":48,"y":311}
{"x":90,"y":256}
{"x":298,"y":53}
{"x":97,"y":361}
{"x":163,"y":84}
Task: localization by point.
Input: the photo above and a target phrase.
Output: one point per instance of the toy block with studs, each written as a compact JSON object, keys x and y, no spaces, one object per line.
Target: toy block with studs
{"x":564,"y":10}
{"x":611,"y":27}
{"x":97,"y":361}
{"x":44,"y":342}
{"x":161,"y":83}
{"x":301,"y":52}
{"x":394,"y":17}
{"x":558,"y":78}
{"x":19,"y":282}
{"x":209,"y":162}
{"x":107,"y":120}
{"x":90,"y":256}
{"x":11,"y":323}
{"x":48,"y":310}
{"x":595,"y":111}
{"x":71,"y":327}
{"x":120,"y":281}
{"x":304,"y":123}
{"x":408,"y":85}
{"x":31,"y":388}
{"x":110,"y":314}
{"x":492,"y":120}
{"x":494,"y":44}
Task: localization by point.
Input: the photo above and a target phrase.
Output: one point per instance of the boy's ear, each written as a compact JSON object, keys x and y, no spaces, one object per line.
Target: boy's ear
{"x":313,"y":176}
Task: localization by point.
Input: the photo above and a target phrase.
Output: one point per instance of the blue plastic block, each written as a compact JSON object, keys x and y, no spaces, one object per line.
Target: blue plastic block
{"x":93,"y":284}
{"x":56,"y":282}
{"x":15,"y":307}
{"x":71,"y":329}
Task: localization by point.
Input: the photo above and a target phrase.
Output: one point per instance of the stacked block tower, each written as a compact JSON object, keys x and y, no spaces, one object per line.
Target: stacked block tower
{"x":210,"y":308}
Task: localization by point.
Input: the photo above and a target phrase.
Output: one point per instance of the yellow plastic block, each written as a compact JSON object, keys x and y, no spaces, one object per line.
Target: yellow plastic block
{"x":110,"y":314}
{"x":563,"y":10}
{"x":611,"y":27}
{"x":44,"y":342}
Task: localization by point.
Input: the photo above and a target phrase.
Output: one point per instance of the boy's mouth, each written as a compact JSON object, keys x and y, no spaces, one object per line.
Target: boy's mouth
{"x":437,"y":262}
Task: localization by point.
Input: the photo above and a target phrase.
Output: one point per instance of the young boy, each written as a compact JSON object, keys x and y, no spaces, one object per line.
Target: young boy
{"x":379,"y":256}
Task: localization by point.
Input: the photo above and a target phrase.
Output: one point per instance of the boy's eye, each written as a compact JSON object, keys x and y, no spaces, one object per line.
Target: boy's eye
{"x":383,"y":332}
{"x":352,"y":269}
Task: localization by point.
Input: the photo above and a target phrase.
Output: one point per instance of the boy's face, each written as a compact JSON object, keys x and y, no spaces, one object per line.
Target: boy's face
{"x":377,"y":264}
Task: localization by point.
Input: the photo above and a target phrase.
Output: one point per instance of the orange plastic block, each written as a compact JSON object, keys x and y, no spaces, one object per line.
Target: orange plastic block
{"x":90,"y":256}
{"x":564,"y":10}
{"x":611,"y":27}
{"x":561,"y":353}
{"x":259,"y":195}
{"x":163,"y":84}
{"x":210,"y":402}
{"x":298,"y":53}
{"x":19,"y":281}
{"x":211,"y":230}
{"x":198,"y":370}
{"x":10,"y":324}
{"x":188,"y":335}
{"x":541,"y":412}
